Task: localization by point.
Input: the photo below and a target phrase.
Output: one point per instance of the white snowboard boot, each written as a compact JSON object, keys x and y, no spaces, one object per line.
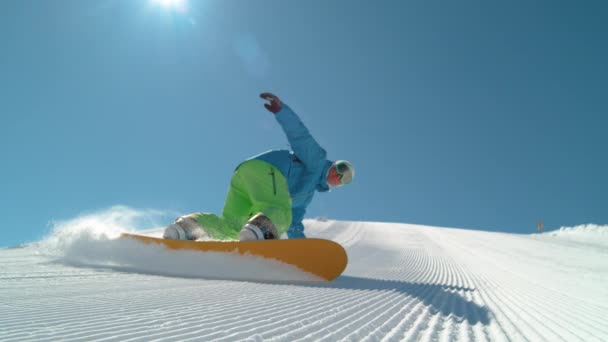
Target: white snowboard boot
{"x":259,"y":227}
{"x":184,"y":228}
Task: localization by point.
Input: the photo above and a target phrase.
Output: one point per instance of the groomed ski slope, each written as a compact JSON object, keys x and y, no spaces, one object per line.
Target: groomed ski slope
{"x":403,"y":283}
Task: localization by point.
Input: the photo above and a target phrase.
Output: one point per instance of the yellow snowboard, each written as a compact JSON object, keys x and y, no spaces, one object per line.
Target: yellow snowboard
{"x":323,"y":258}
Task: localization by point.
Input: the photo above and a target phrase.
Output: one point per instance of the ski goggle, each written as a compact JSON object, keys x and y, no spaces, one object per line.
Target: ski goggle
{"x":345,"y":172}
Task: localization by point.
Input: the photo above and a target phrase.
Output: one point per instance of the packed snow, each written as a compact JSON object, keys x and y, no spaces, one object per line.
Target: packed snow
{"x":403,"y":283}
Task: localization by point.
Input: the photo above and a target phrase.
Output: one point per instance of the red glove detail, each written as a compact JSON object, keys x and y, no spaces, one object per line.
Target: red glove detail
{"x":275,"y":103}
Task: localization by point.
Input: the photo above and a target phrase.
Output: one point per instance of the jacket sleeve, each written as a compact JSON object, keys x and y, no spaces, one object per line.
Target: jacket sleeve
{"x":296,"y":231}
{"x":302,"y":143}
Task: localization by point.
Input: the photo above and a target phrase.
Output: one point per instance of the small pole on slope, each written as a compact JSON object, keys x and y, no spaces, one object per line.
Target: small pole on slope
{"x":540,"y":226}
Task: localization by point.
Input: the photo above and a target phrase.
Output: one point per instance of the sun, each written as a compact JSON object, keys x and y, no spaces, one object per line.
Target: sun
{"x":171,"y":4}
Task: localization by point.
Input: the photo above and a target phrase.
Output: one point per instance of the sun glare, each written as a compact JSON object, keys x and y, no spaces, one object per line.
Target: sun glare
{"x":171,"y":4}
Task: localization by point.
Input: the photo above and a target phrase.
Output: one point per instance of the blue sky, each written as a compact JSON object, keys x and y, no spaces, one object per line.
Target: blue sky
{"x":476,"y":114}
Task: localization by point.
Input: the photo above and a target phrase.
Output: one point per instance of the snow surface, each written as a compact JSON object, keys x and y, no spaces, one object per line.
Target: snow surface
{"x":589,"y":234}
{"x":403,"y":283}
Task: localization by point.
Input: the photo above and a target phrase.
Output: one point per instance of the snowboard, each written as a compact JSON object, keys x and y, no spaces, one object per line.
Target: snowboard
{"x":323,"y":258}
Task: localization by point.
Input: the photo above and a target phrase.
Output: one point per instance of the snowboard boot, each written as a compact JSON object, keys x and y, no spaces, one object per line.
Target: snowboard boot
{"x":259,"y":227}
{"x":184,"y":228}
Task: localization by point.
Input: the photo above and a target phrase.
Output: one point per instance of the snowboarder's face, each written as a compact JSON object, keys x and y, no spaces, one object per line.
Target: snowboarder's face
{"x":333,"y":178}
{"x":340,"y":174}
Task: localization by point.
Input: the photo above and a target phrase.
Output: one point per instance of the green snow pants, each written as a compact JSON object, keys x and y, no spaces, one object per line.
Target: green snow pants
{"x":256,"y":186}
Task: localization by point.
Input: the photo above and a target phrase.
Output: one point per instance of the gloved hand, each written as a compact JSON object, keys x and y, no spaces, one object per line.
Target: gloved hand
{"x":275,"y":103}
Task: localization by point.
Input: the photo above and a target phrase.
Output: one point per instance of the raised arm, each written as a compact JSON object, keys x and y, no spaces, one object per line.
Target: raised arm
{"x":302,"y":143}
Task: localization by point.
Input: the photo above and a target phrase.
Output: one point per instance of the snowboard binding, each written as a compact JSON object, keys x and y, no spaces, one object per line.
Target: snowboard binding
{"x":259,"y":227}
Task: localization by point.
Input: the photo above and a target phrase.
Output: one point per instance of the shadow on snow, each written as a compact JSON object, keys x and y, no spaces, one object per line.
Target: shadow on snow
{"x":442,"y":299}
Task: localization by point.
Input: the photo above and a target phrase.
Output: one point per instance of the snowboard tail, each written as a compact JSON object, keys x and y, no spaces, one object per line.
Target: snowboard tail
{"x":323,"y":258}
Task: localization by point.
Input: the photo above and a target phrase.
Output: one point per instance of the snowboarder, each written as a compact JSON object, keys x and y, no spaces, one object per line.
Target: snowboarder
{"x":269,"y":193}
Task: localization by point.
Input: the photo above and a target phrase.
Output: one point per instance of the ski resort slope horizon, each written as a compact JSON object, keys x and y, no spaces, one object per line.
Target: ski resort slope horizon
{"x":484,"y":115}
{"x":403,"y":283}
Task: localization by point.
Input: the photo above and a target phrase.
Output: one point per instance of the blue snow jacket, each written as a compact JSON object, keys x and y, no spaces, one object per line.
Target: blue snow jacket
{"x":305,"y":167}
